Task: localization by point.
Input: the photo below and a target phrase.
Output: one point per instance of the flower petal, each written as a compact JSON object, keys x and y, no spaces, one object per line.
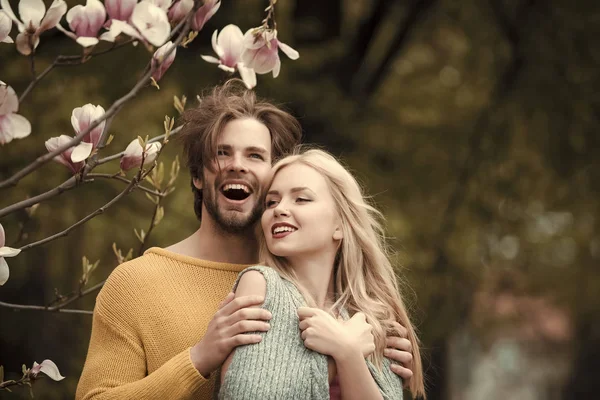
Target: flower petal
{"x":49,"y":368}
{"x":152,"y":23}
{"x":32,"y":12}
{"x":291,"y":53}
{"x":5,"y":27}
{"x":9,"y":102}
{"x":87,"y":41}
{"x":23,"y":45}
{"x":53,"y":16}
{"x":9,"y":252}
{"x":248,"y":75}
{"x":18,"y":125}
{"x":2,"y":236}
{"x":210,"y":59}
{"x":231,"y":42}
{"x":4,"y":271}
{"x":81,"y":152}
{"x":276,"y":68}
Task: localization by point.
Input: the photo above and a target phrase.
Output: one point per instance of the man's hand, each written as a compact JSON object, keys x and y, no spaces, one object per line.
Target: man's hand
{"x":399,"y":349}
{"x":227,"y":330}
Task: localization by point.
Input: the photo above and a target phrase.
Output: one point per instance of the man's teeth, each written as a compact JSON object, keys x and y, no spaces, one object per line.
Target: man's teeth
{"x":280,"y":229}
{"x":237,"y":186}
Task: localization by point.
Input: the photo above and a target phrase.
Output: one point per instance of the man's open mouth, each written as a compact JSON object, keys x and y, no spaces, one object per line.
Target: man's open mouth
{"x":236,"y":191}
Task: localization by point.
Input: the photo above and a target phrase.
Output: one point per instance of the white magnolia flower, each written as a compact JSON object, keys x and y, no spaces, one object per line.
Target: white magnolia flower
{"x":47,"y":367}
{"x":229,"y":46}
{"x":34,"y":20}
{"x":85,"y":22}
{"x":132,"y":156}
{"x":148,"y":23}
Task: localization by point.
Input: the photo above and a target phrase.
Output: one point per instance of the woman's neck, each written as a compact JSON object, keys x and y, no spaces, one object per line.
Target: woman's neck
{"x":315,"y":274}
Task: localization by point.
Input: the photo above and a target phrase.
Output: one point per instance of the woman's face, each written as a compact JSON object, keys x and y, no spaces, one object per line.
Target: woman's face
{"x":300,"y":217}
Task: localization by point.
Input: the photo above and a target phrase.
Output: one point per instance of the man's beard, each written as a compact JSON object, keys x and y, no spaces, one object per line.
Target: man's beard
{"x":231,"y":221}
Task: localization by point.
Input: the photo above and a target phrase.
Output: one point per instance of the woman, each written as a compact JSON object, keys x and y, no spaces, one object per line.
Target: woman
{"x":325,"y":250}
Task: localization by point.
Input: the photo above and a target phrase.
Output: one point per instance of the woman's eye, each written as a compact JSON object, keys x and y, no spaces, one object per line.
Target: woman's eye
{"x":302,"y":200}
{"x":270,"y":203}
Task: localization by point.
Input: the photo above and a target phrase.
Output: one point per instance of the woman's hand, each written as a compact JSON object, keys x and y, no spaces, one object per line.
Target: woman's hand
{"x":326,"y":335}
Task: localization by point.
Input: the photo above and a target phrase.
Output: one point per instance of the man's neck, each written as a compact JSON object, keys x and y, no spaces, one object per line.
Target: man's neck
{"x":213,"y":244}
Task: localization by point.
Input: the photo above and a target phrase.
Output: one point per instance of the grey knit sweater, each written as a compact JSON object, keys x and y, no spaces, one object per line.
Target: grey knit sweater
{"x":280,"y":367}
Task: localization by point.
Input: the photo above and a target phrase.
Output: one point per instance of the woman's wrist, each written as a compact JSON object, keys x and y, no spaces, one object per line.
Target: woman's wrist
{"x":347,"y":352}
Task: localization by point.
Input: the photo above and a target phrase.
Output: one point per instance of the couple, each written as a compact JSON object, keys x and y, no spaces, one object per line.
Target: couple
{"x":161,"y":328}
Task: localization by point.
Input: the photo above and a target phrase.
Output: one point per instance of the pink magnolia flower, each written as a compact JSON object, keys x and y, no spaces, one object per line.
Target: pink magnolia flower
{"x":148,"y":23}
{"x":12,"y":125}
{"x":204,"y":13}
{"x":5,"y":27}
{"x":158,"y":57}
{"x":120,"y":9}
{"x":85,"y":22}
{"x":179,"y":10}
{"x":65,"y":157}
{"x":47,"y":367}
{"x":262,"y":54}
{"x":132,"y":157}
{"x":81,"y":119}
{"x":5,"y":251}
{"x":229,"y":46}
{"x":35,"y":20}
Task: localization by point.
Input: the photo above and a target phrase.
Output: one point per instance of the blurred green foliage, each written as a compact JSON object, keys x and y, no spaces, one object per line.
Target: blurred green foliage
{"x":478,"y":138}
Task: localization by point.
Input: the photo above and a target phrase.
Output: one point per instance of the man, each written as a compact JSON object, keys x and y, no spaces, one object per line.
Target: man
{"x":161,"y":326}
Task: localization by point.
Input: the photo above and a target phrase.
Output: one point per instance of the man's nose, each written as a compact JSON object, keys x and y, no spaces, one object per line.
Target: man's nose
{"x":237,"y":164}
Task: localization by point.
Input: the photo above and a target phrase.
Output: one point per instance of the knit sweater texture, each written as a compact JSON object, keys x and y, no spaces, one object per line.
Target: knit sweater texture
{"x":280,"y":366}
{"x":148,"y":315}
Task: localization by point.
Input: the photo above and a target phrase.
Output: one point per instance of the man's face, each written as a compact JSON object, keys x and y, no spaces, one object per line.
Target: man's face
{"x":232,"y":194}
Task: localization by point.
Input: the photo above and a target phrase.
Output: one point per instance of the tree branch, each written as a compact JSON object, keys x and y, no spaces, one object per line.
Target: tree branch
{"x":43,"y":308}
{"x":123,"y":179}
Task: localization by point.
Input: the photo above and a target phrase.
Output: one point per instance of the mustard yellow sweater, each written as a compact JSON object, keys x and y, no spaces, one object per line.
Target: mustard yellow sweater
{"x":148,"y":315}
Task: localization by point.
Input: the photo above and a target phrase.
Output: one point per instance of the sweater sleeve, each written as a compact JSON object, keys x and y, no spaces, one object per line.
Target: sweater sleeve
{"x":278,"y":367}
{"x":390,"y":384}
{"x":115,"y":367}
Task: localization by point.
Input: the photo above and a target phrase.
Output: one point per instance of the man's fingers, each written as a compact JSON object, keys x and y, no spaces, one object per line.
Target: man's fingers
{"x":402,"y":331}
{"x":306,"y":312}
{"x":404,"y":373}
{"x":248,"y":326}
{"x":401,"y":357}
{"x":241,"y":302}
{"x":398,"y":343}
{"x":227,"y":300}
{"x":249,"y":313}
{"x":242,"y":339}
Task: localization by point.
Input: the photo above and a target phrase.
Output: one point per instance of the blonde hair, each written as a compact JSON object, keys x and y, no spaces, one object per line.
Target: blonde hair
{"x":364,"y":277}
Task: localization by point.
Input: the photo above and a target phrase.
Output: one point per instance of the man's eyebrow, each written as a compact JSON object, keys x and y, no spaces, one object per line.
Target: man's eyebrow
{"x":256,"y":149}
{"x":224,"y":147}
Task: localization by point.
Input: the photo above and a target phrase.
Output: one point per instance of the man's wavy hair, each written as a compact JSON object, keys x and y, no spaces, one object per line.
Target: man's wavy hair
{"x":203,"y":125}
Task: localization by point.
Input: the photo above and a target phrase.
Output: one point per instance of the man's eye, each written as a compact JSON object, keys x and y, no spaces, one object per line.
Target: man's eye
{"x":257,"y":156}
{"x":221,"y":153}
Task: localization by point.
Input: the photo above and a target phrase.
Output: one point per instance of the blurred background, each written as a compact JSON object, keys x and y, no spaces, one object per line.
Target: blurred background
{"x":474,"y":125}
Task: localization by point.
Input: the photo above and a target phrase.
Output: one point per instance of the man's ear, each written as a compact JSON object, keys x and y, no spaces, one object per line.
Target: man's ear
{"x":197,"y":183}
{"x":338,"y":234}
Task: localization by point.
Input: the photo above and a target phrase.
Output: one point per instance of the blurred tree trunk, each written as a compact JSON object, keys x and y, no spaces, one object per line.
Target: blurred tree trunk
{"x":310,"y":30}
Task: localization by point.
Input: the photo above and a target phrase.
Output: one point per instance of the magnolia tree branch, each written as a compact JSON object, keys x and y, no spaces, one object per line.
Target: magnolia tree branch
{"x":44,"y":308}
{"x":114,"y":109}
{"x":66,"y":60}
{"x":123,"y":179}
{"x":82,"y":221}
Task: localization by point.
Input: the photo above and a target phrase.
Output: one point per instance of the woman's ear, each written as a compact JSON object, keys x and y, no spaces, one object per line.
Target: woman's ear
{"x":338,"y":234}
{"x":197,"y":183}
